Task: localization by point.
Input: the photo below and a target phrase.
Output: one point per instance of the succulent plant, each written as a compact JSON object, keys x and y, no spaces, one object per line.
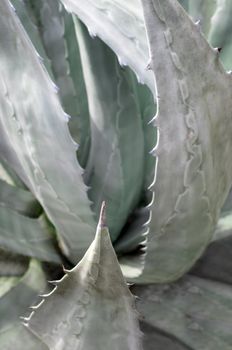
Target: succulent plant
{"x":127,"y":103}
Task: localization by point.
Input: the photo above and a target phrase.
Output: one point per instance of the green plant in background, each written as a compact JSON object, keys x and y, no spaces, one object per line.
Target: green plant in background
{"x":164,"y":178}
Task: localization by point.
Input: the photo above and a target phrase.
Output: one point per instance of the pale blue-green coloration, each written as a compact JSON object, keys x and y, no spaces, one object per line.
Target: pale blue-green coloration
{"x":30,"y":107}
{"x":19,"y":200}
{"x":220,"y":32}
{"x":27,"y":236}
{"x":116,"y":160}
{"x":187,"y":207}
{"x":18,"y":334}
{"x":121,"y":26}
{"x":182,"y":154}
{"x":58,"y":36}
{"x":91,"y":307}
{"x":194,"y":311}
{"x":15,"y":302}
{"x":30,"y":24}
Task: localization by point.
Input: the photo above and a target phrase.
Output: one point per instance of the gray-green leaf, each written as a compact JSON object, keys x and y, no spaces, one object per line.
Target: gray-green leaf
{"x":36,"y":138}
{"x":91,"y":307}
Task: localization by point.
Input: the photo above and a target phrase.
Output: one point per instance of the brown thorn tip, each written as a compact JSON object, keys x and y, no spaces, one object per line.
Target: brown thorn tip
{"x":102,"y":220}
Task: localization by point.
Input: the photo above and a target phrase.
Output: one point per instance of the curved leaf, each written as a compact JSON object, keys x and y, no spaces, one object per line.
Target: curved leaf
{"x":29,"y":23}
{"x":12,"y":265}
{"x":33,"y":126}
{"x":6,"y":283}
{"x":201,"y":12}
{"x":220,"y":31}
{"x":120,"y":25}
{"x":114,"y":170}
{"x":14,"y":303}
{"x":194,"y":122}
{"x":194,"y":311}
{"x":60,"y":42}
{"x":26,"y":236}
{"x":19,"y":200}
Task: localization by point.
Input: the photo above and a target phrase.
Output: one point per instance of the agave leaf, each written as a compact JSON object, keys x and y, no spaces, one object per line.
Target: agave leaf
{"x":120,"y":25}
{"x":220,"y":31}
{"x":194,"y":311}
{"x":34,"y":127}
{"x":216,"y":262}
{"x":14,"y":303}
{"x":27,"y":236}
{"x":55,"y":34}
{"x":162,"y":340}
{"x":29,"y":23}
{"x":136,"y":228}
{"x":145,"y":100}
{"x":51,"y":18}
{"x":4,"y":174}
{"x":18,"y":334}
{"x":135,"y":231}
{"x":19,"y":200}
{"x":202,"y":11}
{"x":185,"y":4}
{"x":12,"y":265}
{"x":68,"y":317}
{"x":114,"y":170}
{"x":6,"y":283}
{"x":194,"y":113}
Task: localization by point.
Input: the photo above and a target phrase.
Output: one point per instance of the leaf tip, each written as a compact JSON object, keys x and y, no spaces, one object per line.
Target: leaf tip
{"x":102,"y":217}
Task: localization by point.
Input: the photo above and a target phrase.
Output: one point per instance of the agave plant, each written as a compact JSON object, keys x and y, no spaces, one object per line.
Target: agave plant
{"x":127,"y":103}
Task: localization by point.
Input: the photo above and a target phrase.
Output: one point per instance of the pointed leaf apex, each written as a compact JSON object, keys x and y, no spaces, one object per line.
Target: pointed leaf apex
{"x":102,"y":218}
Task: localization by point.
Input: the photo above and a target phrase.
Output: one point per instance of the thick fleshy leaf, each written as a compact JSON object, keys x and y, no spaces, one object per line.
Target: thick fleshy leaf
{"x":135,"y":231}
{"x":60,"y":42}
{"x":120,"y":25}
{"x":29,"y":23}
{"x":36,"y":139}
{"x":9,"y":176}
{"x":162,"y":340}
{"x":185,"y":4}
{"x":221,"y":30}
{"x":19,"y":200}
{"x":20,"y":336}
{"x":14,"y":303}
{"x":193,"y":311}
{"x":51,"y":30}
{"x":115,"y":166}
{"x":216,"y":262}
{"x":26,"y":236}
{"x":201,"y":11}
{"x":12,"y":265}
{"x":91,"y":307}
{"x":6,"y":283}
{"x":193,"y":175}
{"x":145,"y":99}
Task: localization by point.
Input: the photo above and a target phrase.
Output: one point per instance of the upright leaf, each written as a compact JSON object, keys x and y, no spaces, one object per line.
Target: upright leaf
{"x":91,"y":307}
{"x":120,"y":25}
{"x":194,"y":121}
{"x":220,"y":31}
{"x":36,"y":140}
{"x":115,"y":166}
{"x":59,"y":39}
